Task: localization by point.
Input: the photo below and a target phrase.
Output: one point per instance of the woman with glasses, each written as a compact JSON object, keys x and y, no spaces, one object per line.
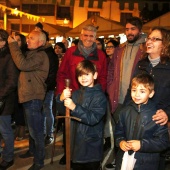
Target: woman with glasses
{"x":110,"y":48}
{"x":157,"y":63}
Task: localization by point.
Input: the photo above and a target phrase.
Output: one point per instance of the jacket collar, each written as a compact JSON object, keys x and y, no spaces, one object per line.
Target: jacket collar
{"x":93,"y":55}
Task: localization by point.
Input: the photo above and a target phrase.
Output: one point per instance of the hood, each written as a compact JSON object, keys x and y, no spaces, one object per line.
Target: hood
{"x":141,"y":40}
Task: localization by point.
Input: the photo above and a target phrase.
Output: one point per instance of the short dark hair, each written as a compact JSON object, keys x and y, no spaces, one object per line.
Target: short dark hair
{"x":61,"y":45}
{"x":3,"y":34}
{"x":85,"y":67}
{"x":114,"y":42}
{"x":145,"y":79}
{"x":136,"y":22}
{"x":39,"y":25}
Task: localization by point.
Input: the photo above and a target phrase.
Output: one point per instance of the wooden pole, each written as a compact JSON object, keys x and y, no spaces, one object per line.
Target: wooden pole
{"x":67,"y":131}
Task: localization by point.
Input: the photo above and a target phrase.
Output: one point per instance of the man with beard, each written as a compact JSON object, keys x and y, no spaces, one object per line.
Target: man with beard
{"x":122,"y":65}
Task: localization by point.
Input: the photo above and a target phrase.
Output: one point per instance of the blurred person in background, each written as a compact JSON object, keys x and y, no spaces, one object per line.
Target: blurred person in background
{"x":100,"y":44}
{"x":19,"y":115}
{"x":51,"y":84}
{"x":110,"y":48}
{"x":66,"y":43}
{"x":74,"y":42}
{"x":60,"y":50}
{"x":8,"y":95}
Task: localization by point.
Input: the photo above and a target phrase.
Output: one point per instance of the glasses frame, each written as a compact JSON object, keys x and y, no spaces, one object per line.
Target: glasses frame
{"x":153,"y":39}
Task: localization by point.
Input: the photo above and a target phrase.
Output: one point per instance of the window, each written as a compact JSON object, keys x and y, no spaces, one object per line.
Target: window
{"x":91,"y":13}
{"x":39,"y":9}
{"x":124,"y":17}
{"x":63,"y":12}
{"x":15,"y":27}
{"x":27,"y":28}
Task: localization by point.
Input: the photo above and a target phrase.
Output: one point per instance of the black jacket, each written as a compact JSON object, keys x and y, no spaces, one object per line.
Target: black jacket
{"x":153,"y":137}
{"x":53,"y":67}
{"x":161,"y":75}
{"x":87,"y":135}
{"x":8,"y":81}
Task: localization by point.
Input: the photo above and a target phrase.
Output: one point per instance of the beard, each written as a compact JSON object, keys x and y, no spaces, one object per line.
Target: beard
{"x":134,"y":39}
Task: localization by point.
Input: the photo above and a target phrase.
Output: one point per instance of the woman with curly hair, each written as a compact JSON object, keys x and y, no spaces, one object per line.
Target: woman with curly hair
{"x":157,"y":63}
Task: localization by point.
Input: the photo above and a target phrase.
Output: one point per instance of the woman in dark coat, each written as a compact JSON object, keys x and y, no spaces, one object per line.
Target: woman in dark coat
{"x":8,"y":87}
{"x":157,"y":64}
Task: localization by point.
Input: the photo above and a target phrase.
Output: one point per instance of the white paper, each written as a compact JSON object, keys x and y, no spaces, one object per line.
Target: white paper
{"x":128,"y":161}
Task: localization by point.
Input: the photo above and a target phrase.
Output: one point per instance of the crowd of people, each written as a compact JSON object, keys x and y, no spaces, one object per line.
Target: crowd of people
{"x":122,"y":85}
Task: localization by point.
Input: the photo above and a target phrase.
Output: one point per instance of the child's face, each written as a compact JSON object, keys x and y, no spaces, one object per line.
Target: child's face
{"x":87,"y":79}
{"x":141,"y":94}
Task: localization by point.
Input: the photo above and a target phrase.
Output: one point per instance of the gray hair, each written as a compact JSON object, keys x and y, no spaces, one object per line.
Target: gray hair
{"x":42,"y":36}
{"x":90,"y":27}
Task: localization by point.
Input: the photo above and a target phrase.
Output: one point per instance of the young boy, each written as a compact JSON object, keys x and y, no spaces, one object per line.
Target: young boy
{"x":136,"y":131}
{"x":89,"y":105}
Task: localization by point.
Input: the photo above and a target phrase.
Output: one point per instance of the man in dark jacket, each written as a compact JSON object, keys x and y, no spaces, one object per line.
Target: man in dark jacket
{"x":8,"y":87}
{"x":51,"y":84}
{"x":32,"y":89}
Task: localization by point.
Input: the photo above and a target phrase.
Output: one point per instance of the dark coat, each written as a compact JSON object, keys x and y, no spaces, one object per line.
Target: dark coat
{"x":53,"y":67}
{"x":153,"y":137}
{"x":161,"y":76}
{"x":8,"y":81}
{"x":87,"y":135}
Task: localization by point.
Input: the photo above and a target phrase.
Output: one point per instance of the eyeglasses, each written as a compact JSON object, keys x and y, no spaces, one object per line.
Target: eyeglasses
{"x":109,"y":47}
{"x":153,"y":39}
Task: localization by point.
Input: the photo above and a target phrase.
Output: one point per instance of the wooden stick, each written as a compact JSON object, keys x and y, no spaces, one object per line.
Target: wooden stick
{"x":67,"y":131}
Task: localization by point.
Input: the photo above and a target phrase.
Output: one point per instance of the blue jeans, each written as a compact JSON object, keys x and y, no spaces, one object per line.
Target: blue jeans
{"x":35,"y":122}
{"x":48,"y":113}
{"x":8,"y":137}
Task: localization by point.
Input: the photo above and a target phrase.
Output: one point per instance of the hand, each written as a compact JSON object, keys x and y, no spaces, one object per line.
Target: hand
{"x":125,"y":146}
{"x":65,"y":94}
{"x":10,"y":39}
{"x":160,"y":117}
{"x":69,"y":104}
{"x":134,"y":144}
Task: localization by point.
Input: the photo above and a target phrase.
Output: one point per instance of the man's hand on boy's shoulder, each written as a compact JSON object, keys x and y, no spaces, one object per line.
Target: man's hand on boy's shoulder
{"x":160,"y":117}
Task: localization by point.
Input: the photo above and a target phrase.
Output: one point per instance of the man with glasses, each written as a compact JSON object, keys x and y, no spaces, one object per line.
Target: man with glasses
{"x":122,"y":65}
{"x":85,"y":50}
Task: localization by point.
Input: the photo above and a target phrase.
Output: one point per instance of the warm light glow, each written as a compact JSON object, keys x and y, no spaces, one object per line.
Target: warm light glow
{"x":66,"y":21}
{"x":111,"y":36}
{"x":122,"y":38}
{"x":20,"y":13}
{"x":15,"y":11}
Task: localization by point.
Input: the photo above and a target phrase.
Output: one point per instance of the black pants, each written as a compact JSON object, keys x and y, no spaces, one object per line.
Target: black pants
{"x":87,"y":166}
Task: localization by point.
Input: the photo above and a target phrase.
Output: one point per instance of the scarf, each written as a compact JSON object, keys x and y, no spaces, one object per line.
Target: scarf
{"x":84,"y":51}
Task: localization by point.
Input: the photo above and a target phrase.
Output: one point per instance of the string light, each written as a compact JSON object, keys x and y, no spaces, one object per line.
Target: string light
{"x":20,"y":13}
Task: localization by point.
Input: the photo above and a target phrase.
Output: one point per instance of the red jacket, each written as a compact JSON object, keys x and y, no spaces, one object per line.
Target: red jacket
{"x":68,"y":65}
{"x":113,"y":77}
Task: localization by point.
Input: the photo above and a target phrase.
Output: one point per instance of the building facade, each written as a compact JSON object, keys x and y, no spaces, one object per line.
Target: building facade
{"x":71,"y":13}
